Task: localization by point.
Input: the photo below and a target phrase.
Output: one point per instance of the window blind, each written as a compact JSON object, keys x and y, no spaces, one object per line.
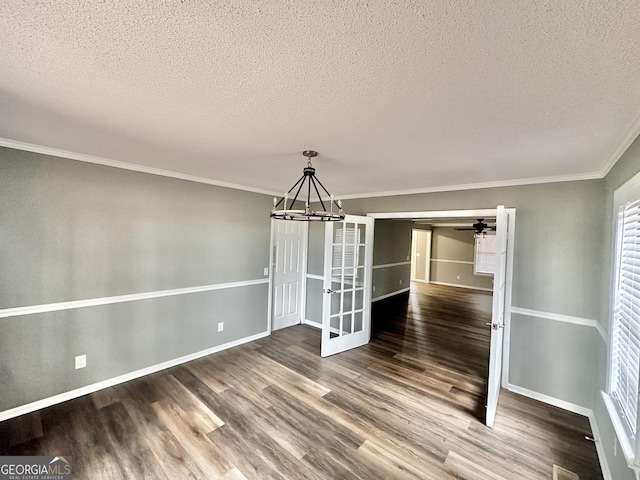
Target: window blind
{"x":626,"y":316}
{"x":485,"y":255}
{"x":345,"y":241}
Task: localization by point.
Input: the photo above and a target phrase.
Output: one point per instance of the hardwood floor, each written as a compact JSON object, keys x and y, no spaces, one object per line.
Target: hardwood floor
{"x":407,"y":406}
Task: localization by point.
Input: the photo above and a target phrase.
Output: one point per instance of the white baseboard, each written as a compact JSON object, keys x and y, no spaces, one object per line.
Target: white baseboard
{"x":312,"y":324}
{"x":556,"y":402}
{"x":602,"y":457}
{"x":78,"y":392}
{"x":462,"y":286}
{"x":392,"y":294}
{"x":572,"y":407}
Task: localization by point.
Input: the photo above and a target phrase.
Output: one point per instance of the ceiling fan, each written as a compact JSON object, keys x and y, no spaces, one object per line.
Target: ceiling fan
{"x":480,"y":227}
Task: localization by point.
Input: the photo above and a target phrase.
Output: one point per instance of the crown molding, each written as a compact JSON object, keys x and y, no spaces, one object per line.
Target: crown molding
{"x":475,"y":186}
{"x":623,"y":146}
{"x":81,"y":157}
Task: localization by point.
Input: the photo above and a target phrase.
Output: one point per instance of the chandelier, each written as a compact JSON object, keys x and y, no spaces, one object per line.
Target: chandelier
{"x":309,"y":178}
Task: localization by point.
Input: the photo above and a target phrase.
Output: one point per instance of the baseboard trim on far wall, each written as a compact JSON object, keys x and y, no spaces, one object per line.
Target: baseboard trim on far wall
{"x":602,"y":457}
{"x":78,"y":392}
{"x":312,"y":323}
{"x":586,"y":322}
{"x":93,"y":302}
{"x":556,"y":402}
{"x":392,"y":294}
{"x":462,"y":286}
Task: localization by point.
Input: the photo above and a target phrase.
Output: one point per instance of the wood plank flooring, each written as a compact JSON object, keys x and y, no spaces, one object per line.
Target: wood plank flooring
{"x":407,"y":406}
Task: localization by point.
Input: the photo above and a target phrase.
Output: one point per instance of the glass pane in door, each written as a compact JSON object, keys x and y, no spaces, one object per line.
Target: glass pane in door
{"x":357,"y":322}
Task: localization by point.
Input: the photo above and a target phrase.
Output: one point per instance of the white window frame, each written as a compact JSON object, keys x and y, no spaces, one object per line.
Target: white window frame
{"x":477,"y":240}
{"x":629,"y":192}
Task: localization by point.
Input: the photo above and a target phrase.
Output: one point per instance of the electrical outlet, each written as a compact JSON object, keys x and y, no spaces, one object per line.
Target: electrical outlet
{"x":400,"y":283}
{"x":220,"y":326}
{"x":81,"y":361}
{"x":457,"y":277}
{"x":266,"y":271}
{"x":374,"y":288}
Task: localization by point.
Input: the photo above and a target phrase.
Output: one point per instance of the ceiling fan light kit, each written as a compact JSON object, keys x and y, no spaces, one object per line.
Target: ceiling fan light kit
{"x":307,"y":215}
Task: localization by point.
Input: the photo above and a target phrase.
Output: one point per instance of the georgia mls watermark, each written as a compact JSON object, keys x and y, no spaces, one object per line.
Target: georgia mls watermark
{"x":35,"y":468}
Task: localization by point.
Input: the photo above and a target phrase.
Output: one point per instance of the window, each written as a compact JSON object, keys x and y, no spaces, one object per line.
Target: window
{"x":484,"y":262}
{"x":624,"y":347}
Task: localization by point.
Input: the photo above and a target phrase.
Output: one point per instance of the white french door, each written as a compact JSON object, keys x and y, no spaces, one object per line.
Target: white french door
{"x":288,"y":262}
{"x":497,"y":315}
{"x":346,"y":312}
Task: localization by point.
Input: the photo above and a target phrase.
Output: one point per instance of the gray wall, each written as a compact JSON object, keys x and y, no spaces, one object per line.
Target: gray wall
{"x":391,"y":244}
{"x":71,"y":231}
{"x":315,"y":266}
{"x":558,"y":235}
{"x":315,"y":253}
{"x":447,"y":243}
{"x":625,"y":169}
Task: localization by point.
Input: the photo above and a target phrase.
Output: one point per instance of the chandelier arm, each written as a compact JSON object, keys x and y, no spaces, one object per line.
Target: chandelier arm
{"x":325,"y":191}
{"x":299,"y":188}
{"x":294,"y":186}
{"x":308,"y":204}
{"x":318,"y":193}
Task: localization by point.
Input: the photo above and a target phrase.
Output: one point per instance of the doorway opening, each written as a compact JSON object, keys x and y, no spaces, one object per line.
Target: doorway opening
{"x":329,"y":286}
{"x":451,"y":266}
{"x":345,"y":284}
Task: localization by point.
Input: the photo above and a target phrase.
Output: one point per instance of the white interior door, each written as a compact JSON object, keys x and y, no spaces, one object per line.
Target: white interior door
{"x":346,"y":312}
{"x":427,"y":257}
{"x":420,"y":255}
{"x":414,"y":253}
{"x":497,"y":316}
{"x":288,"y":280}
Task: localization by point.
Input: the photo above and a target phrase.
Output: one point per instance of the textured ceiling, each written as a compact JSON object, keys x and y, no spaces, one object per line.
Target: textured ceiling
{"x":395,"y":95}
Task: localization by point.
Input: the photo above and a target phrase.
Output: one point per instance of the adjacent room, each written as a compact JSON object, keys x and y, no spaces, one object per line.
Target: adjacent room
{"x":320,"y":240}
